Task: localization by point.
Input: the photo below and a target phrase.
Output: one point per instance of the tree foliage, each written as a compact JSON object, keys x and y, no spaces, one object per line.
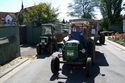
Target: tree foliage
{"x":63,"y":21}
{"x":38,"y":14}
{"x":111,"y":9}
{"x":20,"y":16}
{"x":82,"y":8}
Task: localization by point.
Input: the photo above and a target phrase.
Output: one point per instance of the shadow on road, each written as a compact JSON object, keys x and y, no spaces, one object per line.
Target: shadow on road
{"x":100,"y":59}
{"x":76,"y":74}
{"x":43,"y":56}
{"x":98,"y":44}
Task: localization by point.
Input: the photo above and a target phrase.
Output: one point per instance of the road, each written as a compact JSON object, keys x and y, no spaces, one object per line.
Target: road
{"x":27,"y":50}
{"x":109,"y":68}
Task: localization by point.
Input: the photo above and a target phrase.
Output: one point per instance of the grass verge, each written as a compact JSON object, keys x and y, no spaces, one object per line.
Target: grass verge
{"x":121,"y":42}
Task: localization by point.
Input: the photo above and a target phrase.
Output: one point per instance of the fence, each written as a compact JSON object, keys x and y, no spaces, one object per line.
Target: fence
{"x":9,"y":43}
{"x":33,"y":34}
{"x":115,"y":28}
{"x":23,"y":34}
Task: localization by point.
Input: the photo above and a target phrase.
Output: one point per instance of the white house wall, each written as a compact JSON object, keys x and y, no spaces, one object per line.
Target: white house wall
{"x":124,"y":25}
{"x":8,"y":17}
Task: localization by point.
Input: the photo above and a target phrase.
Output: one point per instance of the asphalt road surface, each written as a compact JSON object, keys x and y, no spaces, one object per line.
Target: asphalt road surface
{"x":109,"y":68}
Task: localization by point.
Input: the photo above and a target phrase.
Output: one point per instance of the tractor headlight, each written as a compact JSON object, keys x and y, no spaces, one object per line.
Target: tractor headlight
{"x":42,"y":40}
{"x":70,"y":53}
{"x":83,"y":50}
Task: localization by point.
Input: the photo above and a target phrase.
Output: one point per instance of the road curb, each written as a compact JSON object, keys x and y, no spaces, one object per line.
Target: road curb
{"x":17,"y":65}
{"x":116,"y":44}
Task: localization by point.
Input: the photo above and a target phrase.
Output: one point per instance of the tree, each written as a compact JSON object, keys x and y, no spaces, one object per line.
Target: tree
{"x":39,"y":14}
{"x":20,"y":16}
{"x":63,"y":21}
{"x":82,"y":8}
{"x":111,"y":9}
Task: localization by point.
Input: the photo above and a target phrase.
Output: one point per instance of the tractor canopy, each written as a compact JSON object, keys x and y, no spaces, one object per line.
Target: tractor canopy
{"x":47,"y":29}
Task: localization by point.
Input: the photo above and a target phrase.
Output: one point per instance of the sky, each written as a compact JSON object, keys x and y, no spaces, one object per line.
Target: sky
{"x":15,"y":6}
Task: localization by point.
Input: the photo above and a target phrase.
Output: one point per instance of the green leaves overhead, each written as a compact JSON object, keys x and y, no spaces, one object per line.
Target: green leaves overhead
{"x":82,"y":8}
{"x":111,"y":9}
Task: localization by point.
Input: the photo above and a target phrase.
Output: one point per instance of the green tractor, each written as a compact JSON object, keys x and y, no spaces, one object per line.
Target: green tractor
{"x":47,"y":42}
{"x":78,"y":48}
{"x":98,"y":36}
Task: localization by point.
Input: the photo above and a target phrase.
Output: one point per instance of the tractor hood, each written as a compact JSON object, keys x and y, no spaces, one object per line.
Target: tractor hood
{"x":73,"y":41}
{"x":70,"y":50}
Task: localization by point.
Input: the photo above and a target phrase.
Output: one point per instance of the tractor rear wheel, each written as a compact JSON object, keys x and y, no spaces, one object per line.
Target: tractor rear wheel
{"x":88,"y":66}
{"x":102,"y":39}
{"x":55,"y":65}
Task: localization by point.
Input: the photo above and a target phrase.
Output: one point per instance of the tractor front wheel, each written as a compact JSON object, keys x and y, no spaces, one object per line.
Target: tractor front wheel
{"x":91,"y":51}
{"x":38,"y":49}
{"x":55,"y":65}
{"x":88,"y":66}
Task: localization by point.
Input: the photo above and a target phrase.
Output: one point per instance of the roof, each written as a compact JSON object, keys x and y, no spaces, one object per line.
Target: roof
{"x":3,"y":14}
{"x":49,"y":24}
{"x":83,"y":21}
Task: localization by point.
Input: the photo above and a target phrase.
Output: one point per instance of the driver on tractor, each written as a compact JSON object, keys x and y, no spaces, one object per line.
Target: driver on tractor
{"x":79,"y":34}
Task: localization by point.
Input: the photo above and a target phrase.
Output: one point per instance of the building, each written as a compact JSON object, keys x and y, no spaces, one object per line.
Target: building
{"x":123,"y":24}
{"x":7,"y":17}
